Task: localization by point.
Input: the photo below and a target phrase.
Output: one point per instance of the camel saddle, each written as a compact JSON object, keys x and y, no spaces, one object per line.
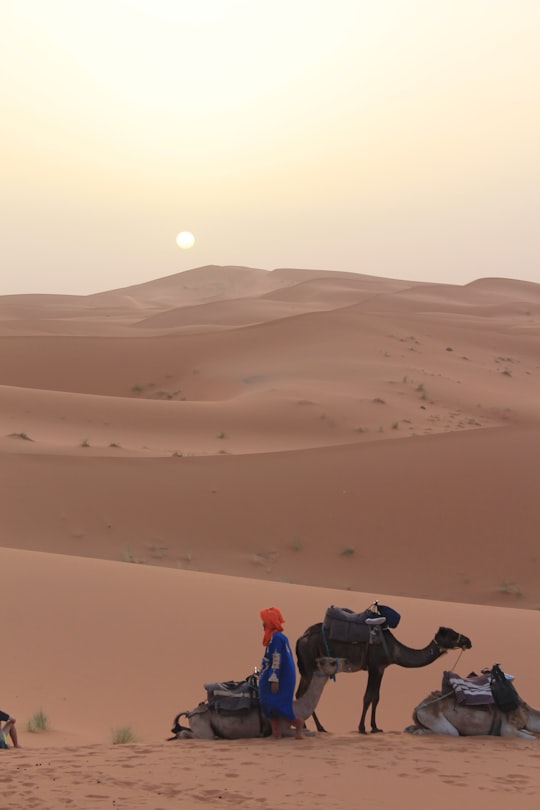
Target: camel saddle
{"x":474,"y":690}
{"x":233,"y":696}
{"x":492,"y":686}
{"x":342,"y":624}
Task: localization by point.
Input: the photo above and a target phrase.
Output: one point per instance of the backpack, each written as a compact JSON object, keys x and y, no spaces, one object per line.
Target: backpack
{"x":503,"y":690}
{"x":392,"y":616}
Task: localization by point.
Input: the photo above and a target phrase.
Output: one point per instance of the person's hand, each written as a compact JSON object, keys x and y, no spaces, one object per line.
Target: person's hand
{"x":275,"y":688}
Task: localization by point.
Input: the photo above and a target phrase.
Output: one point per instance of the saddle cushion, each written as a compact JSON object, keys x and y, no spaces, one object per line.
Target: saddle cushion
{"x":342,"y":624}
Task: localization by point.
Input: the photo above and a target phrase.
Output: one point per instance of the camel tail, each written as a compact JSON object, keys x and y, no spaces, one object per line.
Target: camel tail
{"x":177,"y":728}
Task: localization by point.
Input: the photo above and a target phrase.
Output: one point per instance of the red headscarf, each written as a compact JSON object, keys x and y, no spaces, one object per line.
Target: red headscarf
{"x":273,"y":622}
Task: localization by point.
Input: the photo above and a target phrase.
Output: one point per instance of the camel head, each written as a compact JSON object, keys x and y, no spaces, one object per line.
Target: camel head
{"x":330,"y":666}
{"x":448,"y":639}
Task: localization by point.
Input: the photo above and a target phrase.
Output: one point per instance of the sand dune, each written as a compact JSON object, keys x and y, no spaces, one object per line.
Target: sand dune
{"x":177,"y":454}
{"x":450,"y":517}
{"x":102,"y":645}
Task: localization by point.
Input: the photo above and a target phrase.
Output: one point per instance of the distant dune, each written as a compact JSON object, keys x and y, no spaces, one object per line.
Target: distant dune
{"x":177,"y":454}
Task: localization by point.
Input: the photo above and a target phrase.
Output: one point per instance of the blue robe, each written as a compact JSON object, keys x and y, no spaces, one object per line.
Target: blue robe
{"x":277,"y":665}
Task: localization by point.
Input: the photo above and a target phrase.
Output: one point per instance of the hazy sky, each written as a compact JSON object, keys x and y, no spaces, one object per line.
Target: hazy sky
{"x":392,"y":137}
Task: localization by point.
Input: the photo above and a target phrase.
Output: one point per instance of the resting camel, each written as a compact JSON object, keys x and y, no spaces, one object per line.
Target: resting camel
{"x":440,"y":713}
{"x":372,"y":657}
{"x":206,"y":723}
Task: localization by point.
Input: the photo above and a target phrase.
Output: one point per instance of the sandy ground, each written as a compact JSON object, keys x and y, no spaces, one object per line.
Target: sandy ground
{"x":177,"y":455}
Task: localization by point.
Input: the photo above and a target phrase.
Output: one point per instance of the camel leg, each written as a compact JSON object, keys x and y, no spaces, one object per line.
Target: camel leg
{"x":434,"y":724}
{"x":319,"y":726}
{"x":185,"y":734}
{"x":525,"y":734}
{"x":371,"y":698}
{"x":201,"y":726}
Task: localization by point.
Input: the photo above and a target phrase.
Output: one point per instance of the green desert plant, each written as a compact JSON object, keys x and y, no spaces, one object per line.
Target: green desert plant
{"x":222,"y":435}
{"x":123,"y":735}
{"x":348,"y":550}
{"x":85,"y":443}
{"x":38,"y":722}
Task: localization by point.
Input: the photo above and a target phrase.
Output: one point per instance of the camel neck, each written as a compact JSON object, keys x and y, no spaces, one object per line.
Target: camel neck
{"x":409,"y":657}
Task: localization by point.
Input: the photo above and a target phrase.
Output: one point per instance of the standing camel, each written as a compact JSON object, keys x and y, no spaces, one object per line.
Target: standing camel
{"x":441,"y":713}
{"x":372,"y":657}
{"x":206,"y":723}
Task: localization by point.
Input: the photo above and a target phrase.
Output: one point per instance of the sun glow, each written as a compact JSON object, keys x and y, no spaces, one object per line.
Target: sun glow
{"x":185,"y":240}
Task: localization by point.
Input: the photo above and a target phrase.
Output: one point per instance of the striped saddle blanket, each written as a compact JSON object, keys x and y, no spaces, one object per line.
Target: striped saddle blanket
{"x":474,"y":690}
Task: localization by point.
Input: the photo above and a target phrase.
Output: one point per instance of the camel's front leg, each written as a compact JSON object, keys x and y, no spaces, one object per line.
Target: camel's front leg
{"x":430,"y":722}
{"x":371,"y":698}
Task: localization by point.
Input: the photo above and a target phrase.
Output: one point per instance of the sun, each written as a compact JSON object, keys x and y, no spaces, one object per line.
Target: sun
{"x":185,"y":240}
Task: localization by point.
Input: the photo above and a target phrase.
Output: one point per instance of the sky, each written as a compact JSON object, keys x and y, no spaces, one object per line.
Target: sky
{"x":397,"y":138}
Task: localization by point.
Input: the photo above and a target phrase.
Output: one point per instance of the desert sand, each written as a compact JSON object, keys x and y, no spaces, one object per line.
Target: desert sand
{"x":178,"y":454}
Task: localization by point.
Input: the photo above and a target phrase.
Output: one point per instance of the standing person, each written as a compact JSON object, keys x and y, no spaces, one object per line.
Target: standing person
{"x":9,"y":728}
{"x":278,"y":675}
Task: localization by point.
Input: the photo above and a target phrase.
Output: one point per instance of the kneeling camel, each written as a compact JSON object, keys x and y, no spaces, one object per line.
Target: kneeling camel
{"x":442,"y":714}
{"x":205,"y":723}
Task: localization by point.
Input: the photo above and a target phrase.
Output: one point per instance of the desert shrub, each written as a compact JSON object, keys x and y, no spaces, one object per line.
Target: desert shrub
{"x":123,"y":735}
{"x":38,"y":722}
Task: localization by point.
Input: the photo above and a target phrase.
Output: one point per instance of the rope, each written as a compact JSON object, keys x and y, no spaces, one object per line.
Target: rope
{"x":454,"y":668}
{"x":451,"y":692}
{"x":435,"y":700}
{"x":327,"y":648}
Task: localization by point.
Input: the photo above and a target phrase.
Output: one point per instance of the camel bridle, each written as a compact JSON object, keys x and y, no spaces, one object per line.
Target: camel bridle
{"x":458,"y":643}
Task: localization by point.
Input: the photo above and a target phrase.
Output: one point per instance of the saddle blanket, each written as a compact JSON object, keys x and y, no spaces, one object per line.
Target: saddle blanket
{"x":471,"y":691}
